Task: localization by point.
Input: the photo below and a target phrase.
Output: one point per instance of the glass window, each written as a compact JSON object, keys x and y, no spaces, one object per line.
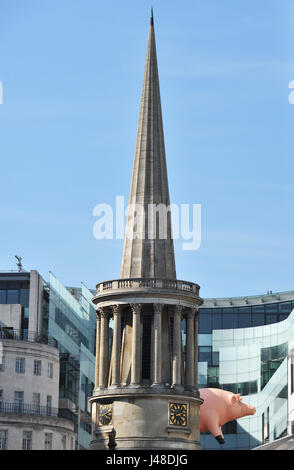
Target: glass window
{"x":2,"y":296}
{"x":48,"y":440}
{"x":283,"y":316}
{"x":20,"y":365}
{"x":243,"y":388}
{"x":48,"y":405}
{"x":245,"y":310}
{"x":3,"y":439}
{"x":230,"y":310}
{"x":50,"y":370}
{"x":205,"y":323}
{"x":230,"y":387}
{"x":230,"y":427}
{"x":2,"y":363}
{"x":18,"y":397}
{"x":12,"y":296}
{"x":24,"y":297}
{"x":37,"y":367}
{"x":269,"y":319}
{"x":253,"y":388}
{"x":216,"y":321}
{"x":36,"y":402}
{"x":204,"y":310}
{"x":215,"y":358}
{"x":205,"y":353}
{"x":64,"y":442}
{"x":285,"y":307}
{"x":27,"y":440}
{"x":257,"y":309}
{"x":230,"y":320}
{"x":271,"y":359}
{"x":18,"y":401}
{"x":244,"y":320}
{"x":271,"y":308}
{"x":257,"y":319}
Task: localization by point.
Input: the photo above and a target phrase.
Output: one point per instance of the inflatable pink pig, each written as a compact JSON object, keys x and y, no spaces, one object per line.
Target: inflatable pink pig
{"x":220,"y":407}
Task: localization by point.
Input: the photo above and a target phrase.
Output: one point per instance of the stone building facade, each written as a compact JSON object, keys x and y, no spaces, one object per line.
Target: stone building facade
{"x":29,"y":389}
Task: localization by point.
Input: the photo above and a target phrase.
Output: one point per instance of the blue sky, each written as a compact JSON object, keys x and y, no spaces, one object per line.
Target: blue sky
{"x":72,"y":74}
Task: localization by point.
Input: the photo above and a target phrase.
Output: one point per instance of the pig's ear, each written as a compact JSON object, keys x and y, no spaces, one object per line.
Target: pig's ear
{"x":234,"y":398}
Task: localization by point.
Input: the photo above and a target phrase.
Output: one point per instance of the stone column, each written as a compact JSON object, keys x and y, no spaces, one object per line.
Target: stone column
{"x":157,"y":362}
{"x":116,"y":346}
{"x":136,"y":346}
{"x":190,"y":350}
{"x":177,"y":353}
{"x":104,"y":348}
{"x":196,"y":313}
{"x":97,"y":350}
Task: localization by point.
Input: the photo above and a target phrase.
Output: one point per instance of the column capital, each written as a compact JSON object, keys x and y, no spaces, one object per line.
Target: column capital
{"x":194,"y":311}
{"x":178,"y":309}
{"x":158,"y":308}
{"x":191,"y":312}
{"x":116,"y":309}
{"x":136,"y":308}
{"x":103,"y":312}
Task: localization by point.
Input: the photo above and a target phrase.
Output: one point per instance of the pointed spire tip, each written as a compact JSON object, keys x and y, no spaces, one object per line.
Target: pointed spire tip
{"x":151,"y":17}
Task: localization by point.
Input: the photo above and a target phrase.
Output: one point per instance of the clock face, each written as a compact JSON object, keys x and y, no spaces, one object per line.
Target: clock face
{"x":178,"y":414}
{"x":105,"y":415}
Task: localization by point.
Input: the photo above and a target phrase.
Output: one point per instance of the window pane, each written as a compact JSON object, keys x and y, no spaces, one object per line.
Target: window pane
{"x":12,"y":297}
{"x":27,"y":440}
{"x":48,"y":441}
{"x":215,"y":358}
{"x":285,"y":307}
{"x":3,"y":439}
{"x":24,"y":297}
{"x":205,"y":323}
{"x":257,"y":319}
{"x":245,"y":310}
{"x":216,"y":321}
{"x":37,"y":367}
{"x":205,"y":354}
{"x":257,"y":309}
{"x":50,"y":370}
{"x":244,"y":320}
{"x":269,"y":319}
{"x":2,"y":296}
{"x":271,"y":308}
{"x":20,"y":365}
{"x":230,"y":320}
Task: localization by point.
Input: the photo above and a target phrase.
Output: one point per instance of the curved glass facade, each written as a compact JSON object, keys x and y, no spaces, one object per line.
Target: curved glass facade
{"x":248,"y":355}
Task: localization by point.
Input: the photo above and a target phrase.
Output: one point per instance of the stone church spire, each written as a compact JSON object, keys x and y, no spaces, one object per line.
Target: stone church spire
{"x":149,"y":252}
{"x":146,"y":372}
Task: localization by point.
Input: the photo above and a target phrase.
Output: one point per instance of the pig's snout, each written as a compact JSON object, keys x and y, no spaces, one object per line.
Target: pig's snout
{"x":249,"y":410}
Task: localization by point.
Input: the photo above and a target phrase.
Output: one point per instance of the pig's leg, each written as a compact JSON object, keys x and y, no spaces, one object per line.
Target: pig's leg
{"x":211,"y":420}
{"x":220,"y":437}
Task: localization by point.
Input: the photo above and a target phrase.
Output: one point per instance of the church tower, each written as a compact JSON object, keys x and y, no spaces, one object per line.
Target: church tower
{"x":146,"y":394}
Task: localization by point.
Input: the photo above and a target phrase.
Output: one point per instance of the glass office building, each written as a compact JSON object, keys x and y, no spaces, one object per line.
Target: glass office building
{"x":243,"y":346}
{"x":71,"y":320}
{"x":66,"y":315}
